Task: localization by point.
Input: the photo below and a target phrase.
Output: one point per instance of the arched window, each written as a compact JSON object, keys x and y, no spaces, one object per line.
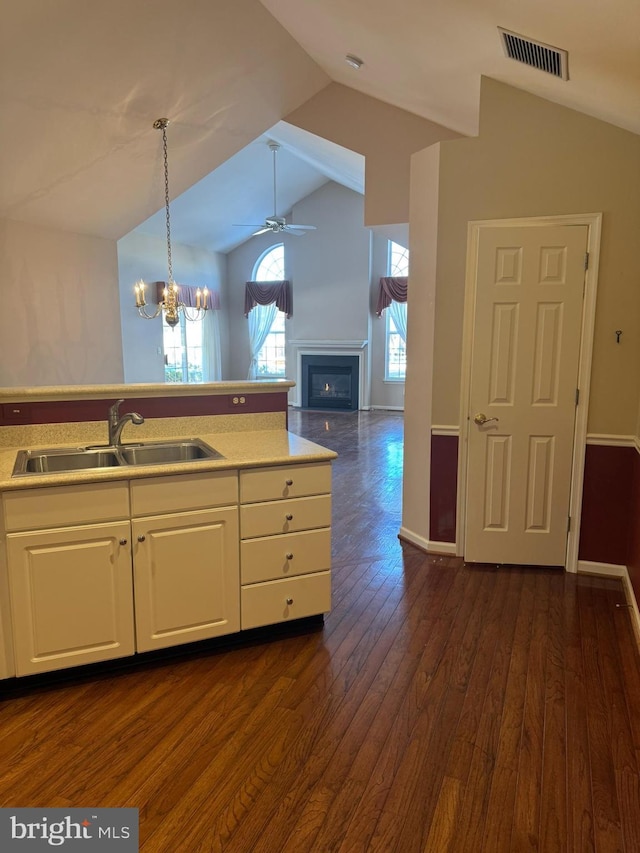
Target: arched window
{"x":270,"y":264}
{"x":395,"y":366}
{"x":266,"y":321}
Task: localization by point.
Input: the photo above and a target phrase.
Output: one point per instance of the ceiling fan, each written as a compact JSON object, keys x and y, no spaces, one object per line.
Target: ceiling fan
{"x":278,"y":224}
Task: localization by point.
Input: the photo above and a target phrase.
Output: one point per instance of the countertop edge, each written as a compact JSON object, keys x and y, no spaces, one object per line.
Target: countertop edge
{"x":241,"y":453}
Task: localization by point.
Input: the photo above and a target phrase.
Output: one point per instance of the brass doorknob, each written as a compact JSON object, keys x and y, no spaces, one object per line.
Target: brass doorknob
{"x":482,"y":419}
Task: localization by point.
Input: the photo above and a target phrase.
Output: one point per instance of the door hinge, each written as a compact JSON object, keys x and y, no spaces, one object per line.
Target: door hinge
{"x":577,"y":396}
{"x":569,"y":524}
{"x":586,"y":260}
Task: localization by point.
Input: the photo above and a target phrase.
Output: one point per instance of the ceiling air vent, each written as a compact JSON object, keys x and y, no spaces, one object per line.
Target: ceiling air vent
{"x":536,"y":54}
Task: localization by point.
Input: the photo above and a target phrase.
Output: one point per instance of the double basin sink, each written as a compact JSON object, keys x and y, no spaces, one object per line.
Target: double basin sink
{"x":62,"y":459}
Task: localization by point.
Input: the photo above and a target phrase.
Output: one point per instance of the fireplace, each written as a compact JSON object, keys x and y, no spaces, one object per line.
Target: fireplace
{"x":330,"y":382}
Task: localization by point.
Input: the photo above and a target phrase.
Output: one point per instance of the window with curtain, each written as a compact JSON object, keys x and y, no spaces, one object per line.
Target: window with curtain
{"x":266,"y":322}
{"x":183,"y":351}
{"x":192,"y":347}
{"x":395,"y":366}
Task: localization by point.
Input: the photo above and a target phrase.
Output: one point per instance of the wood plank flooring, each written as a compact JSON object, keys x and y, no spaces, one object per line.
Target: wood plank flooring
{"x":442,"y":707}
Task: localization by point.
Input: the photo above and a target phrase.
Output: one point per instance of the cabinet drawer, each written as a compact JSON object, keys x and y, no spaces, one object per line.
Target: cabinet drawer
{"x":183,"y":492}
{"x":283,"y":600}
{"x":286,"y":481}
{"x":272,"y":557}
{"x":62,"y":506}
{"x":285,"y":516}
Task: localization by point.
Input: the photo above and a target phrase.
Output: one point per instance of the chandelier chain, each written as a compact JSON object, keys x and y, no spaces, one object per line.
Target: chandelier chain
{"x":166,"y":200}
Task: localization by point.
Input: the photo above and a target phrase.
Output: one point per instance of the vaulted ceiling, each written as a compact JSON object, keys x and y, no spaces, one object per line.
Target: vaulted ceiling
{"x":81,"y":84}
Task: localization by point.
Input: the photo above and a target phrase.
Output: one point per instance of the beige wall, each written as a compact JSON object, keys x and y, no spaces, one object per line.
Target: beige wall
{"x":386,"y":135}
{"x":418,"y":415}
{"x":61,"y":317}
{"x":534,"y":158}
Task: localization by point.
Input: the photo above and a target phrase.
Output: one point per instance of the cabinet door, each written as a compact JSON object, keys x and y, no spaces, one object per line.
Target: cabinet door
{"x":187,"y":584}
{"x":71,"y":596}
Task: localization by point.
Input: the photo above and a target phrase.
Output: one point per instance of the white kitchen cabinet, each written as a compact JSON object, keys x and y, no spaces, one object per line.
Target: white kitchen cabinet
{"x":96,"y":571}
{"x":71,"y":596}
{"x":186,"y":577}
{"x":285,"y":528}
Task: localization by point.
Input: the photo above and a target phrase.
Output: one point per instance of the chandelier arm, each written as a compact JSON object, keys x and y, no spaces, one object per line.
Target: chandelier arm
{"x":193,"y":314}
{"x":142,"y":312}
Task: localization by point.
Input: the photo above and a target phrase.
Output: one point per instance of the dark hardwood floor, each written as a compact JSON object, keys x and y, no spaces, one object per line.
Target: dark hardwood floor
{"x":442,"y":707}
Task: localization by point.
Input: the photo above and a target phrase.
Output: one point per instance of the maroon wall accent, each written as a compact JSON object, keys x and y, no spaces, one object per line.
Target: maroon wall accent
{"x":610,"y":526}
{"x":633,"y":557}
{"x":444,"y":488}
{"x":606,"y":504}
{"x":70,"y":411}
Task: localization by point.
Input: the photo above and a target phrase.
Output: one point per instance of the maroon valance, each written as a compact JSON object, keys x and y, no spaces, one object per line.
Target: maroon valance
{"x":391,"y":289}
{"x":266,"y":293}
{"x":187,"y":295}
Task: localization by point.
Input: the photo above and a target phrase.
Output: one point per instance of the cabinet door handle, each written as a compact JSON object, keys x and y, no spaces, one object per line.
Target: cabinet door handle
{"x":289,"y":556}
{"x":289,"y":517}
{"x":141,"y":538}
{"x":123,"y":541}
{"x":289,"y":600}
{"x":289,"y":482}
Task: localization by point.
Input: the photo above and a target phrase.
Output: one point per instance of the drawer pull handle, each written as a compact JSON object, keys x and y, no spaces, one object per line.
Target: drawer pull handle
{"x":289,"y":482}
{"x":289,"y":556}
{"x":289,"y":600}
{"x":123,"y":541}
{"x":289,"y":517}
{"x":141,"y":538}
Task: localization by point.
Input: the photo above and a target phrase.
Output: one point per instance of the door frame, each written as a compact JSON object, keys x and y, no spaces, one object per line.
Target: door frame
{"x":593,"y":221}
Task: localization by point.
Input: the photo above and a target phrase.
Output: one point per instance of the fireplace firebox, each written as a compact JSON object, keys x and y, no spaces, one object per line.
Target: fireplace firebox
{"x":330,"y":382}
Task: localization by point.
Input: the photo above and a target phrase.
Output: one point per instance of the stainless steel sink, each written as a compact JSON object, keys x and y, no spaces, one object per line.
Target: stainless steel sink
{"x":58,"y":460}
{"x":163,"y":453}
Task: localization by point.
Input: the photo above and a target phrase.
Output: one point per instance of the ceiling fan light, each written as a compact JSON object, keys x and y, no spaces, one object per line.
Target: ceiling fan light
{"x":354,"y":61}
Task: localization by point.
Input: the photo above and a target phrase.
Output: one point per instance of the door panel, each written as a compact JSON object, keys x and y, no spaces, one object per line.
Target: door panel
{"x":525,"y":359}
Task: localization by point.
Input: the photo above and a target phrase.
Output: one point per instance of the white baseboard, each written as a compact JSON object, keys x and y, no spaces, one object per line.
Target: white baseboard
{"x":387,"y":408}
{"x":428,"y":545}
{"x":612,"y":570}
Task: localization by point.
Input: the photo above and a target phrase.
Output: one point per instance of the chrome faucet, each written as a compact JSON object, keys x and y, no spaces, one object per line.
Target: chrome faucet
{"x":117,"y":423}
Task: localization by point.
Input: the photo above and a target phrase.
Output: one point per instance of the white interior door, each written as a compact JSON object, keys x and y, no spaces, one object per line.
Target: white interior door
{"x":522,"y":403}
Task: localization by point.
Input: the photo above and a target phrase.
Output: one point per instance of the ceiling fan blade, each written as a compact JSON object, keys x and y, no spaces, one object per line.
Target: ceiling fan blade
{"x":262,"y":230}
{"x":247,"y":225}
{"x":300,"y":227}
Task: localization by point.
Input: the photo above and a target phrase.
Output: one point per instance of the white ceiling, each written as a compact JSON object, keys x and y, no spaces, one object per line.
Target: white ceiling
{"x":81,"y":83}
{"x":426,"y":56}
{"x":209,"y":214}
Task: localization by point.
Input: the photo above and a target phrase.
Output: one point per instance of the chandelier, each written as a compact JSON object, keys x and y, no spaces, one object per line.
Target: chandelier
{"x":170,"y":305}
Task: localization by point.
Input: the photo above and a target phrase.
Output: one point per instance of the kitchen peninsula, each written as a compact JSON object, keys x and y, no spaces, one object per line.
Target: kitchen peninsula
{"x":104,"y":562}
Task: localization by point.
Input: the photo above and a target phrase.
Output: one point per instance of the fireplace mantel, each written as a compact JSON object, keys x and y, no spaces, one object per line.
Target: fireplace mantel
{"x":298,"y":348}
